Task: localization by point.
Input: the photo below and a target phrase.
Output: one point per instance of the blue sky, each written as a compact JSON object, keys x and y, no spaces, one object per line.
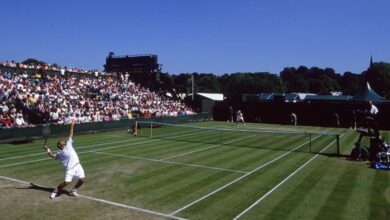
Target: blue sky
{"x":211,"y":36}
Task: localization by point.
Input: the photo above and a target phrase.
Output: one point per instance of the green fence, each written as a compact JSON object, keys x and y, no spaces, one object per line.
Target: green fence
{"x":23,"y":134}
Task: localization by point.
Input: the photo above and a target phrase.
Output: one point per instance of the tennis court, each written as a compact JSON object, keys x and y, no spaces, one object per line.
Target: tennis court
{"x":205,"y":170}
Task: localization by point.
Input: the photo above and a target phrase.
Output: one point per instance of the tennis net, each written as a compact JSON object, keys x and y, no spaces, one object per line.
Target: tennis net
{"x":310,"y":142}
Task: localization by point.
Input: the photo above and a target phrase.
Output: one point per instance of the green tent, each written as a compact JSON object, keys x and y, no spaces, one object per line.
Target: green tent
{"x":368,"y":94}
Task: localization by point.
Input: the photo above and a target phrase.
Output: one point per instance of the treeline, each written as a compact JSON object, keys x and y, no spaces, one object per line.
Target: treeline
{"x":291,"y":79}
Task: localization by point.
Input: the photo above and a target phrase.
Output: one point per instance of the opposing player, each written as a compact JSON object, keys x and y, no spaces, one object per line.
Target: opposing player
{"x":135,"y":129}
{"x":239,"y":117}
{"x":294,"y":118}
{"x":68,"y":156}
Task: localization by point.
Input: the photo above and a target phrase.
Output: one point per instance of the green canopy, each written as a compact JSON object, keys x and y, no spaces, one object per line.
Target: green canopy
{"x":368,"y":94}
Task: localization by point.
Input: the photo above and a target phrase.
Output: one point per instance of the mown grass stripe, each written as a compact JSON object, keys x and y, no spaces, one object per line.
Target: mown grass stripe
{"x":37,"y":160}
{"x":172,"y":162}
{"x":90,"y":144}
{"x":380,"y":196}
{"x":206,"y":148}
{"x":106,"y":201}
{"x":291,"y":200}
{"x":155,"y":149}
{"x":280,"y":183}
{"x":232,"y":182}
{"x":10,"y":149}
{"x":240,"y":195}
{"x":185,"y":190}
{"x":341,"y":193}
{"x":228,"y":155}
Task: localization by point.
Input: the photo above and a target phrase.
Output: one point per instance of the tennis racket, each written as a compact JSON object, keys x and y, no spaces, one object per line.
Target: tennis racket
{"x":46,"y":131}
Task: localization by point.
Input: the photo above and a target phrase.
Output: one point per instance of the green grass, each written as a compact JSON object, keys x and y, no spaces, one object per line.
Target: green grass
{"x":165,"y":175}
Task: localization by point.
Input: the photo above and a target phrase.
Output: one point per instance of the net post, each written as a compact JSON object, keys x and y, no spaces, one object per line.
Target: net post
{"x":136,"y":130}
{"x":309,"y":142}
{"x":338,"y":144}
{"x":151,"y":129}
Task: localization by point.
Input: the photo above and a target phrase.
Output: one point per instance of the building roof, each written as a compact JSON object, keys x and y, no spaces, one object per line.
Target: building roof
{"x":212,"y":96}
{"x":288,"y":97}
{"x":327,"y":98}
{"x":302,"y":96}
{"x":265,"y":96}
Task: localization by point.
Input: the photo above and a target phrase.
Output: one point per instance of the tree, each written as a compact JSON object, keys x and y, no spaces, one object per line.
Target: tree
{"x":181,"y":82}
{"x":378,"y":75}
{"x":33,"y":61}
{"x":294,"y":79}
{"x":350,"y":83}
{"x":207,"y":83}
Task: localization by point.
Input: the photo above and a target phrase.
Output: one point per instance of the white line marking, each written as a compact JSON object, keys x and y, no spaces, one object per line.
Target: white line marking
{"x":282,"y":182}
{"x":32,"y":161}
{"x":238,"y":179}
{"x":14,"y":180}
{"x":81,"y":147}
{"x":108,"y":202}
{"x":25,"y":162}
{"x":171,"y":162}
{"x":108,"y":148}
{"x":24,"y":155}
{"x":131,"y":207}
{"x":206,"y":148}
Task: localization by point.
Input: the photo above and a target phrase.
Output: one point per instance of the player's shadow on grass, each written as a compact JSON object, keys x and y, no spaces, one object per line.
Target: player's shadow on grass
{"x":335,"y":155}
{"x":44,"y":188}
{"x":348,"y":157}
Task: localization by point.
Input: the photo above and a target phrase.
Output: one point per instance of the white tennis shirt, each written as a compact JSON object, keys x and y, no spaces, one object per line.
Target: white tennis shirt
{"x":68,"y":155}
{"x":374,"y":110}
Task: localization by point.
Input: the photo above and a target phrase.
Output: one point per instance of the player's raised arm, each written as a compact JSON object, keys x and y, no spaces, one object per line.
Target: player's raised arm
{"x":71,"y":129}
{"x":49,"y":152}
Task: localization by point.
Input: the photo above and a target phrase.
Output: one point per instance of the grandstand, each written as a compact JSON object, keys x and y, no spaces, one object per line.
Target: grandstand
{"x":46,"y":95}
{"x":141,"y":69}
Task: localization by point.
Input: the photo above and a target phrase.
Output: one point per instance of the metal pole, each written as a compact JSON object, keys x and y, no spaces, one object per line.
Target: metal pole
{"x":136,"y":130}
{"x":193,"y":83}
{"x":309,"y":142}
{"x":151,"y":129}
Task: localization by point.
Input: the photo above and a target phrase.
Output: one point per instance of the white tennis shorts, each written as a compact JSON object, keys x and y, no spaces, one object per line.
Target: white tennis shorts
{"x":77,"y":171}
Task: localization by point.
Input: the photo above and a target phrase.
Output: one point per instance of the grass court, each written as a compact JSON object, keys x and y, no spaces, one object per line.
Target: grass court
{"x":194,"y":173}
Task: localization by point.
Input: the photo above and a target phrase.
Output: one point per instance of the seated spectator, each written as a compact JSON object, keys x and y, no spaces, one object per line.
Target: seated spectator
{"x":89,"y":99}
{"x":19,"y":122}
{"x":7,"y":122}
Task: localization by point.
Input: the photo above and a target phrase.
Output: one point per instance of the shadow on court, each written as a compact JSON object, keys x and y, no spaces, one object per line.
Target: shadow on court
{"x":43,"y":188}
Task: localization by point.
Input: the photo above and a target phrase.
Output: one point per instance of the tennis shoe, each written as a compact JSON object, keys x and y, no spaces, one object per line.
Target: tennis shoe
{"x":74,"y":193}
{"x":53,"y":194}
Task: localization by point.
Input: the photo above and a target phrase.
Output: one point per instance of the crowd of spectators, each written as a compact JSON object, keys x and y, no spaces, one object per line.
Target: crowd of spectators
{"x":60,"y":98}
{"x":50,"y":67}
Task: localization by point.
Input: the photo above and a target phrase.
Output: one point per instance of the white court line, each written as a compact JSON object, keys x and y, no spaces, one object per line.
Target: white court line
{"x":206,"y":148}
{"x":84,"y":152}
{"x":28,"y":155}
{"x":108,"y":148}
{"x":25,"y":162}
{"x":282,"y":182}
{"x":238,"y":179}
{"x":81,"y":147}
{"x":171,"y":162}
{"x":108,"y":202}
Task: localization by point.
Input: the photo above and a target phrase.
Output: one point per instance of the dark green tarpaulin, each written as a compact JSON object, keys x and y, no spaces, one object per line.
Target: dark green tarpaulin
{"x":368,"y":94}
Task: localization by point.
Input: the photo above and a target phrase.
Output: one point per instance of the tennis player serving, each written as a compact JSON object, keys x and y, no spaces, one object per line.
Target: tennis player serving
{"x":68,"y":156}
